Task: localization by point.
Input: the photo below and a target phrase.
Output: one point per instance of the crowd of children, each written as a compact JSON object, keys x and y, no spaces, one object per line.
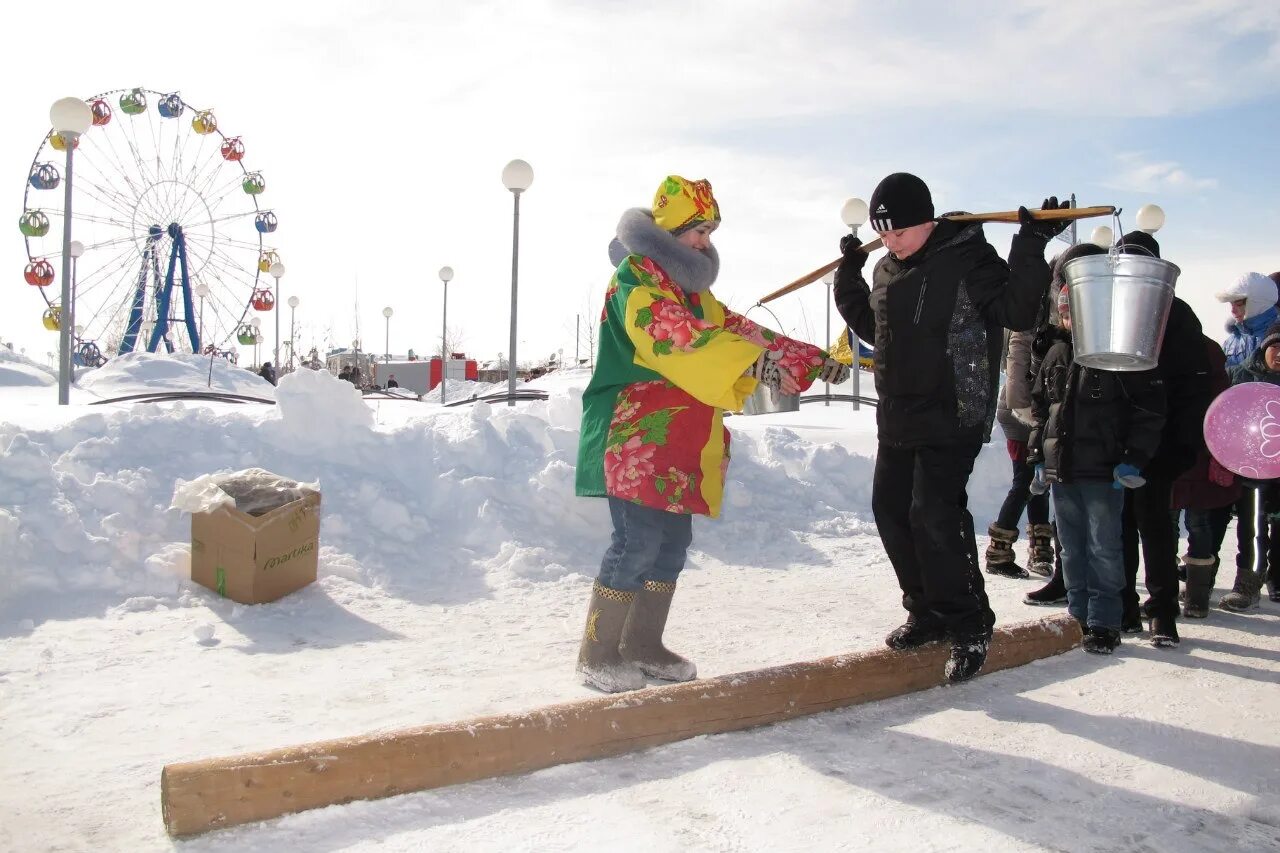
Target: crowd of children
{"x":1125,"y":459}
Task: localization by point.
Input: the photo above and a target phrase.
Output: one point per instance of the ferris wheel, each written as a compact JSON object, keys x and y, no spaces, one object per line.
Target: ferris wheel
{"x":169,"y":252}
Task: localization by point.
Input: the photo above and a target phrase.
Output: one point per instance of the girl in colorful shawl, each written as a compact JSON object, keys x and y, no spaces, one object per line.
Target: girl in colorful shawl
{"x":671,"y":359}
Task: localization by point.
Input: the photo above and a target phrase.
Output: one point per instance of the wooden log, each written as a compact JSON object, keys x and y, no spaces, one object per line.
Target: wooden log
{"x":199,"y":796}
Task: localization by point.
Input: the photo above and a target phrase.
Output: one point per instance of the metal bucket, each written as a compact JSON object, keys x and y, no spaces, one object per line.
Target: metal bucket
{"x":1119,"y":306}
{"x":766,"y":401}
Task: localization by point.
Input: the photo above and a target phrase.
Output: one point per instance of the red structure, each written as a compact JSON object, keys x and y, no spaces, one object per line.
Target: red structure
{"x":460,"y":367}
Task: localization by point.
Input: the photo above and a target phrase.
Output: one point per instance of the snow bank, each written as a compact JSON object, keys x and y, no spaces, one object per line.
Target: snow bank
{"x":17,"y":370}
{"x":140,"y":372}
{"x":446,"y":507}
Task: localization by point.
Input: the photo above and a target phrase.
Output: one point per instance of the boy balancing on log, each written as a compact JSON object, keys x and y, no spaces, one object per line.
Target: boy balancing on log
{"x":936,"y":309}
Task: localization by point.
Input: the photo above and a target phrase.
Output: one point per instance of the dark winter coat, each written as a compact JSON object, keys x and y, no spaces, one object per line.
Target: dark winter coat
{"x":937,"y":320}
{"x":1254,"y":368}
{"x":1185,"y":368}
{"x":1194,"y":489}
{"x":1089,"y":421}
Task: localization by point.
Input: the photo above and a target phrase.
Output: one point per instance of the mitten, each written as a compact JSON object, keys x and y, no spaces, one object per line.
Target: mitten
{"x":833,"y":372}
{"x":1127,"y":477}
{"x":765,"y":370}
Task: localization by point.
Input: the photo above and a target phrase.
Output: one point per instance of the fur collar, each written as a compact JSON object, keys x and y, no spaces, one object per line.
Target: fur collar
{"x":638,"y":234}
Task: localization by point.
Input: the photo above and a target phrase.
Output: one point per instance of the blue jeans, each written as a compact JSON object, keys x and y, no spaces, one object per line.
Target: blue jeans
{"x":1089,"y":530}
{"x":648,"y":545}
{"x":1020,"y":498}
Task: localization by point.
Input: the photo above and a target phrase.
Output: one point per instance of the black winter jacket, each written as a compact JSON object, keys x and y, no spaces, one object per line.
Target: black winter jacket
{"x":1089,"y":421}
{"x":937,"y":321}
{"x":1186,"y":370}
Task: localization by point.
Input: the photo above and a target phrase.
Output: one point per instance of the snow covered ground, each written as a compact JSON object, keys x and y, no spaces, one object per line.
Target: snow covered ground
{"x":454,"y":573}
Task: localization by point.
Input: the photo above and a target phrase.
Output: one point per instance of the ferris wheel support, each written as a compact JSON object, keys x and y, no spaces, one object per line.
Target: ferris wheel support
{"x":133,"y":327}
{"x":177,"y":255}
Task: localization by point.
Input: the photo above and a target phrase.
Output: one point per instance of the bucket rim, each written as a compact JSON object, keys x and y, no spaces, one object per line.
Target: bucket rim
{"x":1115,"y":259}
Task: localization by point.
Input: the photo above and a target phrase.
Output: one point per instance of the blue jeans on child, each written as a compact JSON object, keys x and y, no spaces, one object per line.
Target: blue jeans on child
{"x":1020,"y":498}
{"x":648,"y":545}
{"x":1088,"y":516}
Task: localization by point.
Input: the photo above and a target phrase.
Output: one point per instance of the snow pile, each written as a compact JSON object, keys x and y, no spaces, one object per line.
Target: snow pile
{"x":17,"y":369}
{"x":140,"y":372}
{"x":444,"y":507}
{"x":322,"y":411}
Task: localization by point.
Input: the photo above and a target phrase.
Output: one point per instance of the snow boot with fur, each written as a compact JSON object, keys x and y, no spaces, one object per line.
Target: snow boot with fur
{"x":1000,"y":559}
{"x":1201,"y":572}
{"x":642,"y":635}
{"x":599,"y":661}
{"x":1245,"y":593}
{"x":1040,"y":562}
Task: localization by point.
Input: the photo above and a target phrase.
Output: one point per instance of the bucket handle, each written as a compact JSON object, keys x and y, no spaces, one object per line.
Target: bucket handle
{"x":780,"y":330}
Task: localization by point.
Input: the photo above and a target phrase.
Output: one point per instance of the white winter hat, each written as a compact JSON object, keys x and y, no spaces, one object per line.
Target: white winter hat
{"x":1258,"y":291}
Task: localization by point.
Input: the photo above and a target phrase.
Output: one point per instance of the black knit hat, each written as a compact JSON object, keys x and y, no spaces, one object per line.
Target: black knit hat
{"x":1079,"y":250}
{"x":1139,"y":243}
{"x":900,"y":201}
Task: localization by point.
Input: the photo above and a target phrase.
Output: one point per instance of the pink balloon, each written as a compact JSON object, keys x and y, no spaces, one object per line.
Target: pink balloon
{"x":1242,"y":430}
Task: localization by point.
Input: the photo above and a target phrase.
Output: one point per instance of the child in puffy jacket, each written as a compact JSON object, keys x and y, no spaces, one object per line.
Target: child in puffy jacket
{"x":1253,"y":310}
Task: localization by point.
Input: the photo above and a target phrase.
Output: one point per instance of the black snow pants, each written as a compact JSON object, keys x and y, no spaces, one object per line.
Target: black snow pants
{"x":1149,"y":521}
{"x":921,"y":508}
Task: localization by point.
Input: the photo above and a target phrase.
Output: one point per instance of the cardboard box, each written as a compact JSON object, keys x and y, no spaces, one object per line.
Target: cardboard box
{"x":254,"y":559}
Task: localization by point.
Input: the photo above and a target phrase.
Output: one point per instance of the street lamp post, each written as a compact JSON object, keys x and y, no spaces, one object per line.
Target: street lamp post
{"x":829,"y":279}
{"x":75,"y":249}
{"x":70,"y":118}
{"x":446,"y":276}
{"x":517,"y":176}
{"x":202,"y":290}
{"x":277,"y":272}
{"x":256,"y":323}
{"x":293,"y":330}
{"x":853,"y":213}
{"x":387,"y":312}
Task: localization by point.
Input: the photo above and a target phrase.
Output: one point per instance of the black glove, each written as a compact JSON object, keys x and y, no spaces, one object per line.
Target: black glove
{"x":765,"y":370}
{"x":1043,"y":229}
{"x":854,"y":258}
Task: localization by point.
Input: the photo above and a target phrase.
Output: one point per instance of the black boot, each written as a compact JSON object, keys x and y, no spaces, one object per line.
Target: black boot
{"x":1201,"y":572}
{"x":1041,"y":561}
{"x":1164,"y":632}
{"x":968,"y":654}
{"x":1054,"y":592}
{"x":1101,"y":641}
{"x":915,"y":632}
{"x":1000,"y":560}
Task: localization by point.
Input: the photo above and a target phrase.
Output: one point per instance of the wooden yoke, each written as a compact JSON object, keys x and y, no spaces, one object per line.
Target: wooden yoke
{"x":199,"y":796}
{"x":1010,"y":216}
